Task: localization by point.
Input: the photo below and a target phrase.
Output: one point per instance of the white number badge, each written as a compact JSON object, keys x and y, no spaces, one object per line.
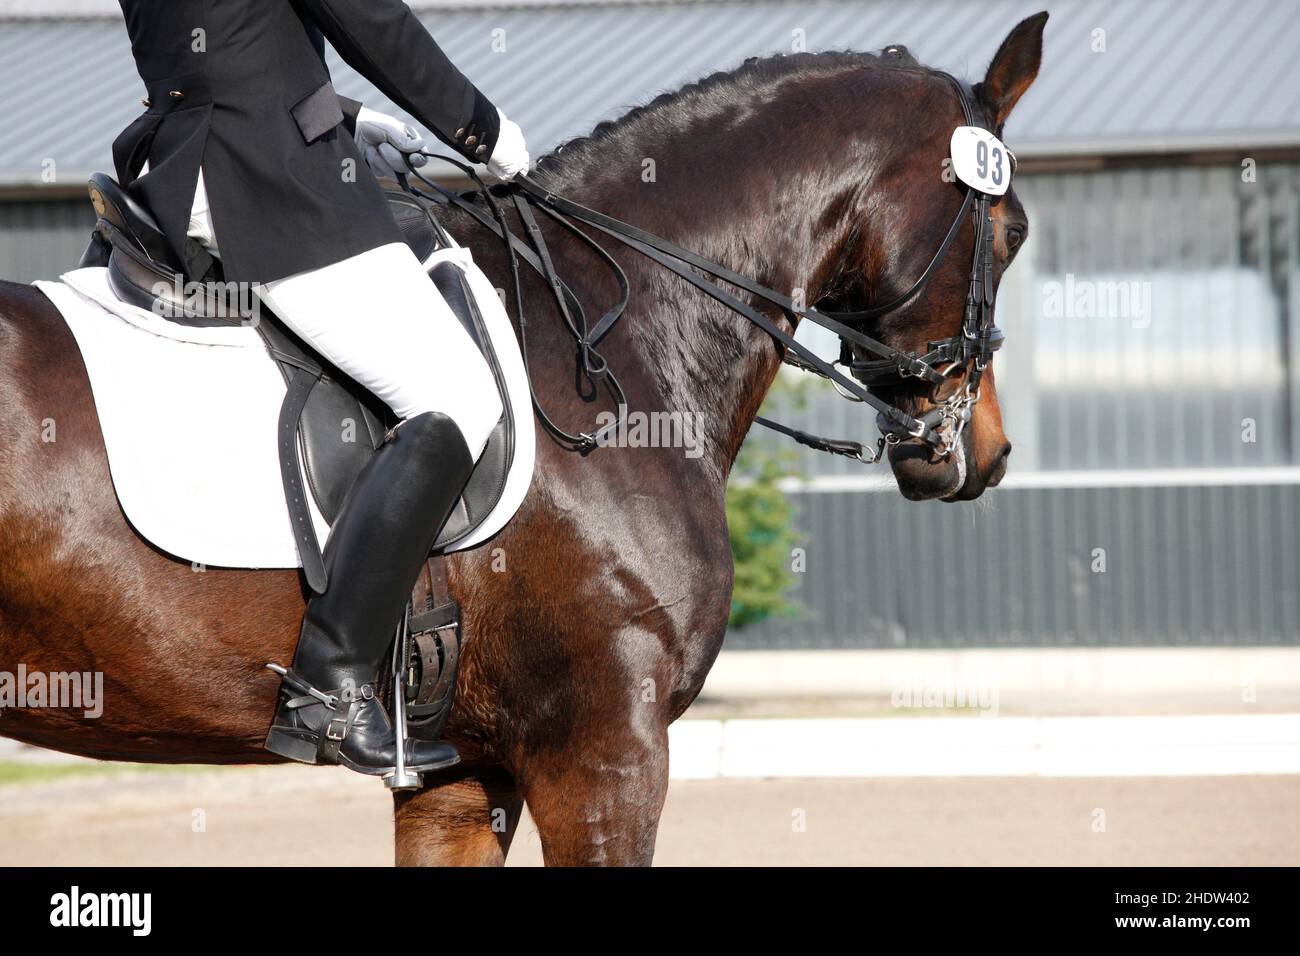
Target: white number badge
{"x":980,"y":160}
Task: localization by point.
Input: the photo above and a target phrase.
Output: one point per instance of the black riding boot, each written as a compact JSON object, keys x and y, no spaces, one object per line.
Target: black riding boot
{"x":328,"y":711}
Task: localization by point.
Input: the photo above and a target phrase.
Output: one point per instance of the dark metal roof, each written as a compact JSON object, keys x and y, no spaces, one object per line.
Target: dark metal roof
{"x":1175,"y":74}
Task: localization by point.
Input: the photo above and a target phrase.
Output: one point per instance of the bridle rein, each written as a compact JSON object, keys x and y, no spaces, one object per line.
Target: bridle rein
{"x":969,"y":351}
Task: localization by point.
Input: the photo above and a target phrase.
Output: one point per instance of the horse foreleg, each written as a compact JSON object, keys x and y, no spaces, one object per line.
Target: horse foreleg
{"x":599,"y":812}
{"x":468,"y":819}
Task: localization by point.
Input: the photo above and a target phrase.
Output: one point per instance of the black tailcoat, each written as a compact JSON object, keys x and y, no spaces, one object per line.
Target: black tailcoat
{"x":240,"y":87}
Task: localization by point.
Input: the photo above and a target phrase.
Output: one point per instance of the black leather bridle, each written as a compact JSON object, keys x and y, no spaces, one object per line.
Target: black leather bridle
{"x":969,"y":351}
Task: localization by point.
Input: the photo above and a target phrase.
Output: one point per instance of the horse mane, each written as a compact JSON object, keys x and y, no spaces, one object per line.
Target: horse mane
{"x":713,"y":93}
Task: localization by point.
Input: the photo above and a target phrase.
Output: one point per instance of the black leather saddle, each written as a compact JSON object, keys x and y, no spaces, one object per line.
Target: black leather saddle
{"x":317,"y":456}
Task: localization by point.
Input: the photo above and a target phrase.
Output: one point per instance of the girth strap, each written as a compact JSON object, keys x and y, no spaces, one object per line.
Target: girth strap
{"x":436,"y":642}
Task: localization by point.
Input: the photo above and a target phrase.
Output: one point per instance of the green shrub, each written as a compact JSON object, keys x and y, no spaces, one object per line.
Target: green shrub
{"x":759,"y":517}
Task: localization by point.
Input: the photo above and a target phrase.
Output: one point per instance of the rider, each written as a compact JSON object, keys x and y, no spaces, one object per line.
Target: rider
{"x":247,"y":143}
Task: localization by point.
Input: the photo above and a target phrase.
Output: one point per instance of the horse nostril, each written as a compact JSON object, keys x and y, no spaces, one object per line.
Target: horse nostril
{"x":998,"y":467}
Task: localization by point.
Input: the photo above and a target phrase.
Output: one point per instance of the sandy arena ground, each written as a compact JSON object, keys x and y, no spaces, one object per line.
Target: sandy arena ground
{"x":279,"y":816}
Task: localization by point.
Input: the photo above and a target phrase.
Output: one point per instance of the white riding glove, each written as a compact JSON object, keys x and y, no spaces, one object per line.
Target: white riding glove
{"x":510,"y":154}
{"x":383,"y":140}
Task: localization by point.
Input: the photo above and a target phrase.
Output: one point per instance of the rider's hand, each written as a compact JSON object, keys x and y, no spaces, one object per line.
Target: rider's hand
{"x":383,"y":141}
{"x":510,"y":154}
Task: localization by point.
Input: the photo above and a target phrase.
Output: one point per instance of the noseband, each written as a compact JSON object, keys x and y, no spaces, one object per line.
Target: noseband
{"x":969,"y":351}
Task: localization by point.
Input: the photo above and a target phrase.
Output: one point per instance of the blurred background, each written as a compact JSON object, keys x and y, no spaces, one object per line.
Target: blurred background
{"x":1136,"y":571}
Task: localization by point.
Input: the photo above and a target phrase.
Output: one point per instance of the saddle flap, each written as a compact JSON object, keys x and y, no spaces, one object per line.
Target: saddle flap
{"x":487,"y":483}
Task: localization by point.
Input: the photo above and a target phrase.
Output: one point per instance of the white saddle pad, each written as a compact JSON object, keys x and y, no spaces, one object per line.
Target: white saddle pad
{"x":189,"y":419}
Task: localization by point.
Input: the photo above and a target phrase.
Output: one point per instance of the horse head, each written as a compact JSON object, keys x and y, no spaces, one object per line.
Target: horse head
{"x":827,"y":176}
{"x":909,"y":202}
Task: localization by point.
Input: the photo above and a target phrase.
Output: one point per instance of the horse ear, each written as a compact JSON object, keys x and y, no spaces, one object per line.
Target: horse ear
{"x":1014,"y":67}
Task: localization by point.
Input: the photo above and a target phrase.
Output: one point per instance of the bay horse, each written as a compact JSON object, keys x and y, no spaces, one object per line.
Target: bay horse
{"x":592,"y":620}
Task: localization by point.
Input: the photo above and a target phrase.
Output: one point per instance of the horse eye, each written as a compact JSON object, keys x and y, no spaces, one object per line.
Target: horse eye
{"x":1015,"y":236}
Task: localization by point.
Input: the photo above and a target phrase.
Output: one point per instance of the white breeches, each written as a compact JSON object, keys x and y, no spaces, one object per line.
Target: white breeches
{"x":380,"y":319}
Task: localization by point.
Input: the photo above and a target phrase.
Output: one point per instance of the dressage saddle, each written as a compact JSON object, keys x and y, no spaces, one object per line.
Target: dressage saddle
{"x":314,"y":459}
{"x":143,"y":271}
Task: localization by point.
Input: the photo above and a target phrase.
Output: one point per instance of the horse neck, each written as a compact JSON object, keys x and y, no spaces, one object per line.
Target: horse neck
{"x":697,"y":356}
